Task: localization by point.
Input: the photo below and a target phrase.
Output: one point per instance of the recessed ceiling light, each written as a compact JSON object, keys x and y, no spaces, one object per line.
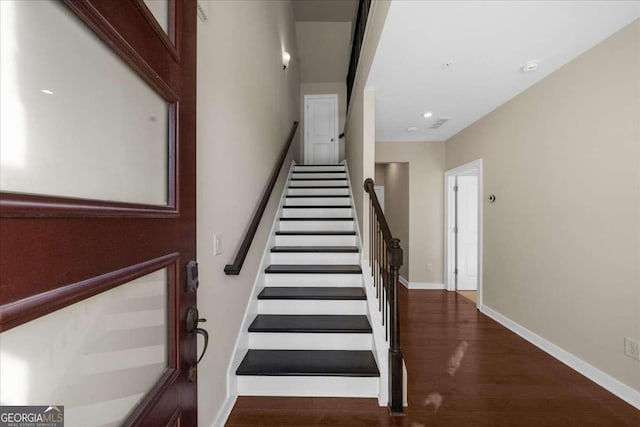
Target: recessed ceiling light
{"x":47,"y":91}
{"x":427,"y":114}
{"x":529,"y":66}
{"x":412,"y":129}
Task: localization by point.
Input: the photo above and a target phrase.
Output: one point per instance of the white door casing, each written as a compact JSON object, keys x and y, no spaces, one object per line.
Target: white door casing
{"x":471,"y":170}
{"x":321,"y":129}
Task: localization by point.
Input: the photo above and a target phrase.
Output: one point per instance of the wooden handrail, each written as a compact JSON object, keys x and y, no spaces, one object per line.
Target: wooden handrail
{"x":385,"y":257}
{"x":235,"y":267}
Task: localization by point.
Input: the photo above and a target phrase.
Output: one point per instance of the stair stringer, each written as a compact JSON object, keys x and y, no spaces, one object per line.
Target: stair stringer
{"x":380,"y":346}
{"x":242,"y":341}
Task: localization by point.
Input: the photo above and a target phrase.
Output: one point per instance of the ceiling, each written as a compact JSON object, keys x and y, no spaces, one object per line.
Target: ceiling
{"x":485,"y":43}
{"x":324,"y":10}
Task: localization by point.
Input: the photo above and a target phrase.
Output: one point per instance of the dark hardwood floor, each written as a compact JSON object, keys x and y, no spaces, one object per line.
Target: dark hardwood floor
{"x":464,"y":370}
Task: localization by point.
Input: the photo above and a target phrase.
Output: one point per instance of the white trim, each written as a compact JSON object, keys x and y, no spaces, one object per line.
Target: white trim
{"x":225,"y":411}
{"x":606,"y":381}
{"x":242,"y":340}
{"x":336,"y":139}
{"x":380,"y":344}
{"x":472,"y":168}
{"x":404,"y":281}
{"x":380,"y":347}
{"x":354,"y":212}
{"x":421,"y":285}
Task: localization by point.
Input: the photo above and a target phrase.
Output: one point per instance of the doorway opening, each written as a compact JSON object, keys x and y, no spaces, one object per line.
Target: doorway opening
{"x":463,"y":230}
{"x":321,"y":129}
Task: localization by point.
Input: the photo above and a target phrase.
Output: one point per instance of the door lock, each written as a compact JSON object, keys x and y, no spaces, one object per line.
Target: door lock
{"x":192,"y":276}
{"x":193,"y":319}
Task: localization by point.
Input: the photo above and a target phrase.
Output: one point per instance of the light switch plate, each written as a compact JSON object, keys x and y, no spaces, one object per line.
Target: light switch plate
{"x":217,"y":244}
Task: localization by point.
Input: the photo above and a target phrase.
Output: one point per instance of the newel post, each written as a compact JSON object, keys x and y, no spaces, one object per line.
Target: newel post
{"x":395,"y":354}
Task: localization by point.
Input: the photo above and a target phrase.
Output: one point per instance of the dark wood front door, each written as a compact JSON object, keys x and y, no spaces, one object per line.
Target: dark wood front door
{"x":64,"y":246}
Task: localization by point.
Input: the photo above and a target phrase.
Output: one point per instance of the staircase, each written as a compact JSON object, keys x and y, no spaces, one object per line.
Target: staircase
{"x":311,"y":335}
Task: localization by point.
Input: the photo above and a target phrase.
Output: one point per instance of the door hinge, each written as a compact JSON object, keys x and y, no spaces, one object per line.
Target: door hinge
{"x":455,"y":188}
{"x":455,"y":229}
{"x":455,"y":271}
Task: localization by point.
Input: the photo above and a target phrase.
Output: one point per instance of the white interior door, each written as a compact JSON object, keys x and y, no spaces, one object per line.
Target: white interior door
{"x":467,"y":212}
{"x":321,"y":129}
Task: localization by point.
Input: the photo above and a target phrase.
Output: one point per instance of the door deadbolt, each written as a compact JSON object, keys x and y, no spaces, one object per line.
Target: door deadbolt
{"x":192,"y":276}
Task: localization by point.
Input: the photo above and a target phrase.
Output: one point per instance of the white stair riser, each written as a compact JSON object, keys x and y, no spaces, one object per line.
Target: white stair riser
{"x":317,"y":201}
{"x":323,"y":183}
{"x":319,"y":175}
{"x":316,"y":226}
{"x":318,"y":168}
{"x":312,"y":307}
{"x":317,"y":213}
{"x":323,"y":258}
{"x":293,"y":341}
{"x":307,"y":386}
{"x":308,"y":279}
{"x":316,"y":240}
{"x":318,"y":192}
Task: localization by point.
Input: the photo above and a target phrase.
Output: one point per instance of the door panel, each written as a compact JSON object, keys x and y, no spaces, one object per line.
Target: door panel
{"x":321,"y":131}
{"x":127,"y":157}
{"x":63,"y":251}
{"x":467,"y":232}
{"x":101,"y":356}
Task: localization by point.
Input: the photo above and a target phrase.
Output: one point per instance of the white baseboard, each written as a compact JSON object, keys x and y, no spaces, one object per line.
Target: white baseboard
{"x":606,"y":381}
{"x":225,"y":411}
{"x":420,"y":285}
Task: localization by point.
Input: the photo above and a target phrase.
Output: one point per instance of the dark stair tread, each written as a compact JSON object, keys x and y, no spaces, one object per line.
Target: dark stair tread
{"x":306,"y":187}
{"x":309,"y":218}
{"x":315,"y":249}
{"x":311,"y":323}
{"x":317,"y":196}
{"x":317,"y":207}
{"x":338,"y":363}
{"x":312,"y":293}
{"x":314,"y":269}
{"x":315,"y":233}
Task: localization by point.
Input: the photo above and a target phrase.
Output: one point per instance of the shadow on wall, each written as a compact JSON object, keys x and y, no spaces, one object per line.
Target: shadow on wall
{"x":394,"y":178}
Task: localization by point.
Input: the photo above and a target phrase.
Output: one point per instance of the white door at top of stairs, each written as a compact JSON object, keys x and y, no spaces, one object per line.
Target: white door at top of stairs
{"x":321,"y":129}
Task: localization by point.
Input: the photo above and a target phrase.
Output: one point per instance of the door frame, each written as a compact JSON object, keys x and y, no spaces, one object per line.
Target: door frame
{"x":88,"y":246}
{"x":474,"y":168}
{"x":307,"y":97}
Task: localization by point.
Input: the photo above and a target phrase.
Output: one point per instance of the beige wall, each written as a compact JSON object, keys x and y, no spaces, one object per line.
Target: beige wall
{"x":396,"y":207}
{"x":324,"y":49}
{"x":380,"y":170}
{"x":246,"y":106}
{"x":339,"y":88}
{"x":360,"y":127}
{"x":562,"y":241}
{"x":426,"y":205}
